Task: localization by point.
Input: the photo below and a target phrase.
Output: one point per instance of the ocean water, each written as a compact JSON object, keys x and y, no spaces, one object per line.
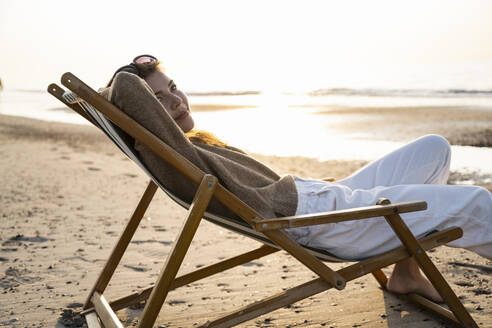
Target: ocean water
{"x":283,"y":122}
{"x":304,"y":133}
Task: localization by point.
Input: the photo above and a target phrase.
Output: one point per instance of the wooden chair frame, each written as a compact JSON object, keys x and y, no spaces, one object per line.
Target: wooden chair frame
{"x":97,"y":310}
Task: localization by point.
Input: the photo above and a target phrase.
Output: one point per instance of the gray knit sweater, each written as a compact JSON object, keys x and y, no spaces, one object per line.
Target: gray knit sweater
{"x":251,"y":181}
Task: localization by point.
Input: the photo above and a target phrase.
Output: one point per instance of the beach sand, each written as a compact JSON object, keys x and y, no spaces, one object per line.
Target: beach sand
{"x":460,"y":125}
{"x":66,"y":194}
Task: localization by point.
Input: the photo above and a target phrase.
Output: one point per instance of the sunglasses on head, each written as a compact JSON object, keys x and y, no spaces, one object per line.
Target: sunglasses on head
{"x":144,"y":59}
{"x":136,"y":66}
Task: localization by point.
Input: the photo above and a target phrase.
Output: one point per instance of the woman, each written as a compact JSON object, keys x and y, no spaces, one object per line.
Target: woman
{"x":418,"y":170}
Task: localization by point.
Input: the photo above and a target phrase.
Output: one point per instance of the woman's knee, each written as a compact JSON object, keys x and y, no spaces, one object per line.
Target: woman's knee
{"x":436,"y":142}
{"x":476,"y":204}
{"x":483,"y":198}
{"x":437,"y":145}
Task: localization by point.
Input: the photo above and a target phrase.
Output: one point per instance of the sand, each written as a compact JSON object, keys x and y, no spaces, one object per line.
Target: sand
{"x":66,"y":194}
{"x":460,"y":125}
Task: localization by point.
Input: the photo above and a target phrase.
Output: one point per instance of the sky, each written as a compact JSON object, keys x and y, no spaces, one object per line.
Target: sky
{"x":221,"y":44}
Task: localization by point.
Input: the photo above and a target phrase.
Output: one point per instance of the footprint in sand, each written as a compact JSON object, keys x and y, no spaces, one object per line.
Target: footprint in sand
{"x":159,"y":228}
{"x":138,"y":242}
{"x":18,"y":239}
{"x":91,"y":168}
{"x":136,"y":268}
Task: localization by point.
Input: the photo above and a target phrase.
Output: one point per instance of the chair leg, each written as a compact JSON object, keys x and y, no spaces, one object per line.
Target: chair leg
{"x":428,"y":267}
{"x":178,"y":251}
{"x":122,"y":244}
{"x":381,"y":278}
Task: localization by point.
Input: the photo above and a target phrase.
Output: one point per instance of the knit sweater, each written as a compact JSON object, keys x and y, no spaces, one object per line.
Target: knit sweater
{"x":251,"y":181}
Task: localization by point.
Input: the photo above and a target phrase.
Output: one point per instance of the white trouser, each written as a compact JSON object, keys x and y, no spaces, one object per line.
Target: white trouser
{"x":416,"y":171}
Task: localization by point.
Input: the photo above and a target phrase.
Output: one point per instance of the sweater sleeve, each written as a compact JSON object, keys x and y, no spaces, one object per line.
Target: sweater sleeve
{"x":134,"y":96}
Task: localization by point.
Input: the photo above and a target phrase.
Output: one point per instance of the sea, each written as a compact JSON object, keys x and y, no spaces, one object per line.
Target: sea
{"x":287,"y":123}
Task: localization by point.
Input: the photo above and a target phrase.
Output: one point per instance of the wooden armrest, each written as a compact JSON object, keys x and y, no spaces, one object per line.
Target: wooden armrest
{"x":339,"y":216}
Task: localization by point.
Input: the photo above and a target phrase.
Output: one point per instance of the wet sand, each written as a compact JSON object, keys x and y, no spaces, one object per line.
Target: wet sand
{"x":66,"y":194}
{"x":460,"y":125}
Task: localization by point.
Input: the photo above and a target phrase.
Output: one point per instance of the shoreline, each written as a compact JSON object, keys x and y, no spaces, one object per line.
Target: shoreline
{"x":85,"y":136}
{"x":66,"y":195}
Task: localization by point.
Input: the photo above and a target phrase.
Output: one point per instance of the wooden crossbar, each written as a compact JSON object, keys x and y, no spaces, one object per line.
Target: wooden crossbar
{"x":339,"y":216}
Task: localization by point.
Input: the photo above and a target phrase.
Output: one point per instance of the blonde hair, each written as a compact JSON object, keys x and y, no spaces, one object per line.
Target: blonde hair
{"x":205,"y":137}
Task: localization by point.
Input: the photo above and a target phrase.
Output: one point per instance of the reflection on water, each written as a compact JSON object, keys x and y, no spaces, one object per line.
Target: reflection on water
{"x":290,"y":132}
{"x":282,"y":125}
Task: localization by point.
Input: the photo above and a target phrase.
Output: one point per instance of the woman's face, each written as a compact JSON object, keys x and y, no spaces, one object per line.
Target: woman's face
{"x":173,"y":99}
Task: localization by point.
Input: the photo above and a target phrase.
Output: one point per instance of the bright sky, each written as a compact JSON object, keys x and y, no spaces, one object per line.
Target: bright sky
{"x":223,"y":44}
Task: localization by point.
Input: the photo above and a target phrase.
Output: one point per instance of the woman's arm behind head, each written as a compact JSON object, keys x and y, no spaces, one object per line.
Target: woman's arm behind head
{"x":135,"y":98}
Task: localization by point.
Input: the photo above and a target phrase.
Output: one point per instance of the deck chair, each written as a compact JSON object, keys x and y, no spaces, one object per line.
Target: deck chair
{"x":121,"y":129}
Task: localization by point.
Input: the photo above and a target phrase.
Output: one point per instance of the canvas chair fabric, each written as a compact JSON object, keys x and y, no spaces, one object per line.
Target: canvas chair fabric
{"x":266,"y":231}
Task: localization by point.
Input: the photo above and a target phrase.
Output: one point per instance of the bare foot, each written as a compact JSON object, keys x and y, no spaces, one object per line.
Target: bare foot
{"x":407,"y":278}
